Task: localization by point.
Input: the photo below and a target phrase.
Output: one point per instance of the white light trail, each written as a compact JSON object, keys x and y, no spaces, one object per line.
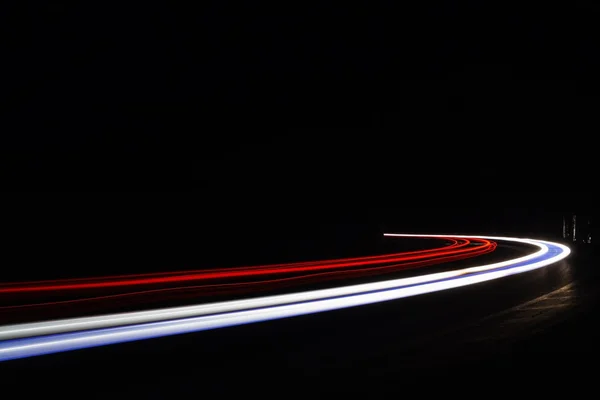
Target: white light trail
{"x":26,"y":340}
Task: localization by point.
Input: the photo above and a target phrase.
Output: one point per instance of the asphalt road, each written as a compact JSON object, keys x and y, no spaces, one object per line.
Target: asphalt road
{"x":506,"y":331}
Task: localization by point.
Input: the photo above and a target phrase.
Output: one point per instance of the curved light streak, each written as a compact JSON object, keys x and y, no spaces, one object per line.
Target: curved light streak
{"x":269,"y":284}
{"x":458,"y":247}
{"x":79,"y":333}
{"x":84,"y":300}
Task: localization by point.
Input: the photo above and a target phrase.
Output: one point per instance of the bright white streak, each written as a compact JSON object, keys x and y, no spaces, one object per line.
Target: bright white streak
{"x":73,"y":341}
{"x":130,"y":318}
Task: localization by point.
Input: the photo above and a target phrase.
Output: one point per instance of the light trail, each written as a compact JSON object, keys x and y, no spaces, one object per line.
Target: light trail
{"x":254,"y":286}
{"x":121,"y":293}
{"x":460,"y":246}
{"x":24,"y":340}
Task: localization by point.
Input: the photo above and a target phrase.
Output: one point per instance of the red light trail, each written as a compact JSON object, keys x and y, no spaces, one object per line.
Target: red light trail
{"x":64,"y":297}
{"x":457,"y":247}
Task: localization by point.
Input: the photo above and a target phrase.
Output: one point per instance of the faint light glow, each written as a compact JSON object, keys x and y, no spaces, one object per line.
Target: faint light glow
{"x":589,"y":229}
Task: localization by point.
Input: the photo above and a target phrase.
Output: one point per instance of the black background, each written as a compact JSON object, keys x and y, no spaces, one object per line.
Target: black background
{"x":146,"y":133}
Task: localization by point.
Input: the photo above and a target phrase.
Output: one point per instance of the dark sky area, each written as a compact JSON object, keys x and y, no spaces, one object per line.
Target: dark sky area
{"x":202,"y":117}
